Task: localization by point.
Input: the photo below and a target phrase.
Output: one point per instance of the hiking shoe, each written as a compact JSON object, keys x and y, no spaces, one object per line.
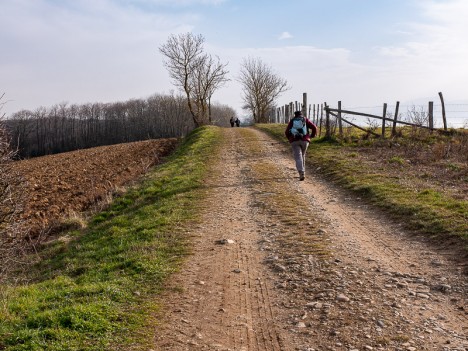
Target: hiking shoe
{"x":302,"y":177}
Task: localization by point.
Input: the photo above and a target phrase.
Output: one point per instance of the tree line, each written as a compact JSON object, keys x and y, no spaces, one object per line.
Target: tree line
{"x":65,"y":127}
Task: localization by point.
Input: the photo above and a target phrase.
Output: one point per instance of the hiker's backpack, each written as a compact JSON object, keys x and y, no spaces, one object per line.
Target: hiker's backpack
{"x":299,"y":127}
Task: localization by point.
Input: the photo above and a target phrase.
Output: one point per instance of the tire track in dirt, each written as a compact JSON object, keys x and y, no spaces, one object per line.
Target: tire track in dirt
{"x":224,"y":300}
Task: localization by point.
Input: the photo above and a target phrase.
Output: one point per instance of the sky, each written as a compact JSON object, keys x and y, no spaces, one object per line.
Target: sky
{"x":360,"y":52}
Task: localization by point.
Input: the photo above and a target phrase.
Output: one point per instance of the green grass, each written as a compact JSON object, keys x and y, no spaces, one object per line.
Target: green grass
{"x":428,"y":211}
{"x":397,"y":160}
{"x":98,"y":291}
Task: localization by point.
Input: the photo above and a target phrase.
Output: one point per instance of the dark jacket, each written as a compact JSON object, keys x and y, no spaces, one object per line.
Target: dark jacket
{"x":311,"y":128}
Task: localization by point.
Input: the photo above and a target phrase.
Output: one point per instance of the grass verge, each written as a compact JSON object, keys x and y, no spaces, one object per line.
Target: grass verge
{"x":97,"y":289}
{"x":428,"y":211}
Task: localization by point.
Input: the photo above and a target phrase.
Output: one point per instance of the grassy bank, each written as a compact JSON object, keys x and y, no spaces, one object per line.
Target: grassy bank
{"x":95,"y":289}
{"x":394,"y":183}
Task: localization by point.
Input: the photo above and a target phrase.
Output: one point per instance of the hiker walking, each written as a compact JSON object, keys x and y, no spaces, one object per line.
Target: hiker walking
{"x":299,"y":131}
{"x":232,"y":121}
{"x":237,"y":122}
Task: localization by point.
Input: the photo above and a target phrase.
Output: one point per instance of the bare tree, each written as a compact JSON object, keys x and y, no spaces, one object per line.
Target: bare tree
{"x":2,"y":103}
{"x":10,"y":201}
{"x":209,"y":75}
{"x":261,"y":86}
{"x":6,"y":155}
{"x":181,"y":51}
{"x":197,"y":73}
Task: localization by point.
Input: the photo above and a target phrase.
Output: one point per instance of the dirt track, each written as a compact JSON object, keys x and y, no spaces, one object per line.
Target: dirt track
{"x":320,"y":272}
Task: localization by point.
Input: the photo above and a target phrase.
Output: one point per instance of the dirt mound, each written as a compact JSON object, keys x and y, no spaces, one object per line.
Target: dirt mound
{"x":56,"y":186}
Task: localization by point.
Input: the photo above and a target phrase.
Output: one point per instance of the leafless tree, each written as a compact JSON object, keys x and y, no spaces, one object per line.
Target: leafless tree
{"x":261,"y":86}
{"x":10,"y":201}
{"x":198,"y":74}
{"x":209,"y":75}
{"x":2,"y":103}
{"x":6,"y":155}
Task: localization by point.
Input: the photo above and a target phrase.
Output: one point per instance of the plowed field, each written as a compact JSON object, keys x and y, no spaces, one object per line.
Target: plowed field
{"x":57,"y":186}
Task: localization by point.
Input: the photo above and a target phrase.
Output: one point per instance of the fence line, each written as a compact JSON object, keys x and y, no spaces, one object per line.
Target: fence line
{"x":456,"y":114}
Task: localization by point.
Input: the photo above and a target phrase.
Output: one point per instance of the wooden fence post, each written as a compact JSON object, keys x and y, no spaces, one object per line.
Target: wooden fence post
{"x":395,"y":118}
{"x":313,"y":118}
{"x":310,"y":109}
{"x":304,"y":104}
{"x":321,"y":119}
{"x":444,"y":118}
{"x":431,"y":115}
{"x":319,"y":109}
{"x":384,"y":114}
{"x":327,"y":122}
{"x":340,"y":124}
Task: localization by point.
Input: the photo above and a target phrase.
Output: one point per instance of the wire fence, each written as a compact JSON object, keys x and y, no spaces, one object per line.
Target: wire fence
{"x":457,"y":114}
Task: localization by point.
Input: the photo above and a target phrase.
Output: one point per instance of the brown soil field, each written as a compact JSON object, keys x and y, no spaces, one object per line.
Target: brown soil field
{"x":59,"y":186}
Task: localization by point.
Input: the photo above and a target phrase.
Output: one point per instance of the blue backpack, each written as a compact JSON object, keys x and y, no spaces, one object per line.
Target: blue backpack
{"x":299,"y":127}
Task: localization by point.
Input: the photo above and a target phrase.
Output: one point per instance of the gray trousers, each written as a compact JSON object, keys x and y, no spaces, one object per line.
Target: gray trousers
{"x":299,"y":148}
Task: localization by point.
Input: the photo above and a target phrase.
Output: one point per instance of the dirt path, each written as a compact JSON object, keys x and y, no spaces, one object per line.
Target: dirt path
{"x":280,"y":264}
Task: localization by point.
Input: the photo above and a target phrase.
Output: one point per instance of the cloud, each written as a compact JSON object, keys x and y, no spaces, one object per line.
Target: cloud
{"x":285,"y":35}
{"x":173,"y":2}
{"x":323,"y":73}
{"x":392,"y":51}
{"x":441,"y":38}
{"x":82,"y":51}
{"x":434,"y":56}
